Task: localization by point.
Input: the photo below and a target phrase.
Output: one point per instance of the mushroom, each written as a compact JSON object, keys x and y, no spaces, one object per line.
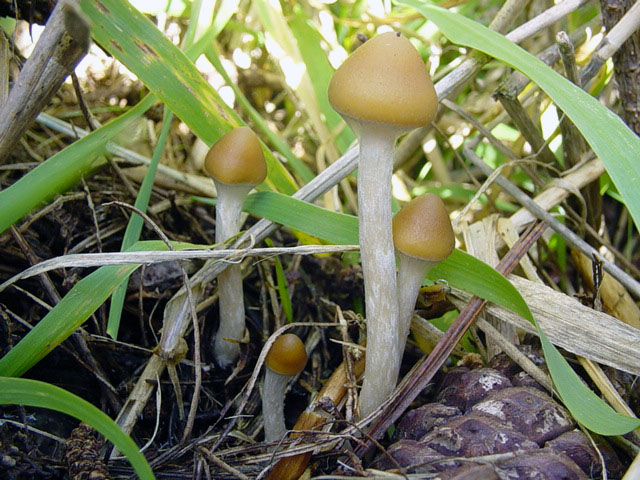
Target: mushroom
{"x":236,"y":164}
{"x":286,"y":357}
{"x":423,"y":236}
{"x":382,"y":91}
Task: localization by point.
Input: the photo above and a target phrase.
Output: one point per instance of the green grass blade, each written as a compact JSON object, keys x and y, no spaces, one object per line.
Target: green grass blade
{"x":135,"y":224}
{"x":222,"y":17}
{"x":170,"y":75}
{"x":71,"y":312}
{"x":62,"y":171}
{"x":20,"y":391}
{"x":587,"y":408}
{"x":199,"y":21}
{"x":294,"y":67}
{"x":227,"y":9}
{"x":611,"y":140}
{"x":337,"y":228}
{"x":130,"y":37}
{"x":320,"y":72}
{"x":460,"y":270}
{"x":283,"y":291}
{"x":467,"y":273}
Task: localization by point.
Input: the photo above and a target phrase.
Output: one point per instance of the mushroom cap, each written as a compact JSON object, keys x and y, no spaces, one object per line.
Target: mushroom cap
{"x":385,"y":81}
{"x":237,"y":159}
{"x":287,"y":355}
{"x":423,"y":229}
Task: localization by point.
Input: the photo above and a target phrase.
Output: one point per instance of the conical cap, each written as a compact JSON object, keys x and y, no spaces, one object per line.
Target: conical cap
{"x":385,"y":81}
{"x":287,"y":355}
{"x":423,"y":229}
{"x":237,"y":158}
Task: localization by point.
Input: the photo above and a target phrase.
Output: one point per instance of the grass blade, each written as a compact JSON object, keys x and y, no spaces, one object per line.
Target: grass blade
{"x":283,"y":291}
{"x":460,"y":270}
{"x":333,"y":227}
{"x":170,"y":75}
{"x":135,"y":224}
{"x":71,"y":312}
{"x":587,"y":408}
{"x":21,"y":391}
{"x":320,"y":72}
{"x":62,"y":171}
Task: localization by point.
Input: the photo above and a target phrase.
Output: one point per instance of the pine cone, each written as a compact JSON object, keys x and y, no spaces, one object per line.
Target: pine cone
{"x":82,"y":454}
{"x":479,"y":413}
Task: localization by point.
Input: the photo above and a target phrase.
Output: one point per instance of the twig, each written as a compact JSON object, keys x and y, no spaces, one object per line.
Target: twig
{"x":94,"y":216}
{"x":89,"y":119}
{"x":507,"y":14}
{"x":521,"y":119}
{"x":63,"y":43}
{"x":546,"y":18}
{"x":151,"y":257}
{"x":632,"y":285}
{"x":220,"y":464}
{"x":573,"y":143}
{"x":612,"y":43}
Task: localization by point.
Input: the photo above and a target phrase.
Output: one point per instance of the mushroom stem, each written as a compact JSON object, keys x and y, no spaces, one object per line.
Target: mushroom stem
{"x":273,"y":403}
{"x":411,"y":272}
{"x":375,"y":168}
{"x":230,"y":299}
{"x":287,"y":357}
{"x":423,"y":237}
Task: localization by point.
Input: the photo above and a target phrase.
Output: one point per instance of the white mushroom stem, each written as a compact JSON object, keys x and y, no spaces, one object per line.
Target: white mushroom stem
{"x":231,"y":298}
{"x":411,"y":273}
{"x":375,"y":167}
{"x":273,"y":405}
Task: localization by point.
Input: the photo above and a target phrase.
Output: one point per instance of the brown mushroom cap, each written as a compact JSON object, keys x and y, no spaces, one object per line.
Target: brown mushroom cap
{"x":423,"y":229}
{"x":237,"y":159}
{"x":287,"y":355}
{"x":385,"y":81}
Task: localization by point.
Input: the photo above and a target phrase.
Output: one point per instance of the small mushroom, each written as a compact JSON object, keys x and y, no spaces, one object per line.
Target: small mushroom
{"x":236,"y":164}
{"x":286,"y":357}
{"x":382,"y":91}
{"x":423,"y":236}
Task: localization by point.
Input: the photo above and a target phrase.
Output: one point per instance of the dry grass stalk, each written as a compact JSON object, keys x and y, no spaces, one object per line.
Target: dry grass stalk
{"x":571,"y":325}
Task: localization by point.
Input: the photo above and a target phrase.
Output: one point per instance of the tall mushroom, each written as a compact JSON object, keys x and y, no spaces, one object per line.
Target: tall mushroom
{"x":236,"y":164}
{"x":287,"y":357}
{"x":423,"y":236}
{"x":382,"y":91}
